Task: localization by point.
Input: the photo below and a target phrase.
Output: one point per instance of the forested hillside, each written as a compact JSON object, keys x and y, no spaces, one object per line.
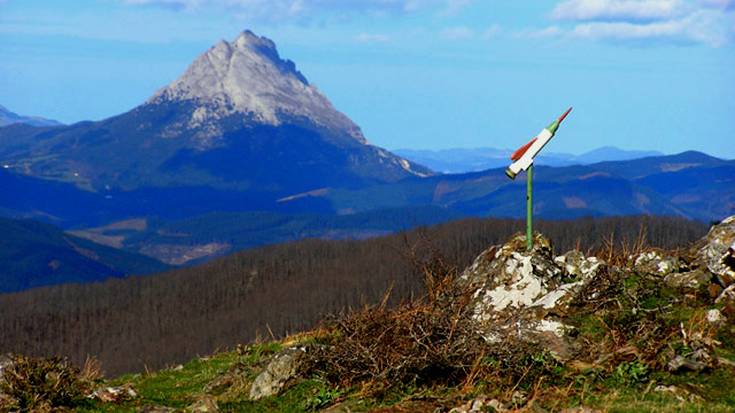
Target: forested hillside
{"x":155,"y":321}
{"x":34,"y":254}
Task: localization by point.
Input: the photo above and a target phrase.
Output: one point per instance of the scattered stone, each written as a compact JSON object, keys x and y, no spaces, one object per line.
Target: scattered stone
{"x":114,"y":394}
{"x":284,"y":367}
{"x":518,"y":398}
{"x":691,"y":363}
{"x":680,"y":394}
{"x":347,"y":406}
{"x":203,"y":405}
{"x":715,"y":317}
{"x":716,"y":251}
{"x":654,"y":262}
{"x":577,"y":265}
{"x":688,"y":280}
{"x":480,"y":404}
{"x":6,"y":361}
{"x":728,"y":294}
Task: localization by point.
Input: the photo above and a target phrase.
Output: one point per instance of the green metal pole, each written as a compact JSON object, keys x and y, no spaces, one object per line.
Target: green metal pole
{"x":529,"y":209}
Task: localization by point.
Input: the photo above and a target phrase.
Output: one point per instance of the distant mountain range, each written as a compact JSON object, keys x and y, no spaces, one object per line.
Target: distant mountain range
{"x":8,"y":118}
{"x":34,"y":254}
{"x":242,"y":151}
{"x":460,"y":160}
{"x":188,"y":225}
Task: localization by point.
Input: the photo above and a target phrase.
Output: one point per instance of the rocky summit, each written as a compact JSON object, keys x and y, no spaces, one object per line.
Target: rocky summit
{"x":240,"y":118}
{"x":248,"y":77}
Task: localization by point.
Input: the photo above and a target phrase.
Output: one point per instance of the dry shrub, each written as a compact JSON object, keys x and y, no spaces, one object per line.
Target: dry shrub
{"x":421,"y":341}
{"x":431,"y":340}
{"x":40,"y":384}
{"x":618,"y":253}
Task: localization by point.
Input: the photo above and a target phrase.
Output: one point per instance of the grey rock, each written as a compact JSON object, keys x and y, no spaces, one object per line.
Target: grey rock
{"x":727,"y":295}
{"x":480,"y":404}
{"x":716,"y":251}
{"x":688,"y":280}
{"x":521,"y":295}
{"x":578,"y":266}
{"x":204,"y":405}
{"x":510,"y":277}
{"x":655,"y":262}
{"x":715,"y":317}
{"x":678,"y":392}
{"x":696,"y":361}
{"x":6,"y":360}
{"x":114,"y":394}
{"x":284,"y":367}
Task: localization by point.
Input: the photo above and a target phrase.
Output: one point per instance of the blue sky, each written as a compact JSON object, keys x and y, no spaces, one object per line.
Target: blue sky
{"x":641,"y":74}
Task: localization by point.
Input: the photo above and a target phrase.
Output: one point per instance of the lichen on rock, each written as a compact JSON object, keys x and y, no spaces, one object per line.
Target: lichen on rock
{"x":284,"y":367}
{"x":716,"y":251}
{"x":522,"y":294}
{"x":656,"y":262}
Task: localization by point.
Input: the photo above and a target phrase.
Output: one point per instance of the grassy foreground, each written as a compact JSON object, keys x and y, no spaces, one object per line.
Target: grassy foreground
{"x":182,"y":387}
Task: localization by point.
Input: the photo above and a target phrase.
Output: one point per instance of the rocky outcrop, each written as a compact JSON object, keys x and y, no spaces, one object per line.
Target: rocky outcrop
{"x":526,"y":294}
{"x":522,"y":293}
{"x":716,"y":252}
{"x":284,"y":367}
{"x":656,"y":262}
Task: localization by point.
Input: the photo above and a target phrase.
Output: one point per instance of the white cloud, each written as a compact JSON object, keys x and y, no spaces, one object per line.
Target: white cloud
{"x":372,"y":38}
{"x":618,"y":9}
{"x":457,"y":33}
{"x":700,"y":27}
{"x":275,"y":10}
{"x":705,"y":22}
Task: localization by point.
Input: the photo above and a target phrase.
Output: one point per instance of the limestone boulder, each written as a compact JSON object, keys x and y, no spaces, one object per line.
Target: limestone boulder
{"x":282,"y":369}
{"x":716,"y":252}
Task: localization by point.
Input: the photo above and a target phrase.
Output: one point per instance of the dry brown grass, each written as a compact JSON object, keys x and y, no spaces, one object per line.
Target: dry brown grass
{"x":40,"y":384}
{"x":427,"y":341}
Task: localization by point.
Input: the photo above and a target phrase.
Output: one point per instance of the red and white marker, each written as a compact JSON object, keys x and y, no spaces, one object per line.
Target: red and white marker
{"x":523,"y":157}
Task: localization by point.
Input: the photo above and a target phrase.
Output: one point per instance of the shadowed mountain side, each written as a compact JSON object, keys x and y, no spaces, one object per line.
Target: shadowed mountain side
{"x":596,"y":196}
{"x":197,"y":239}
{"x":689,"y":184}
{"x":34,"y":254}
{"x":65,"y":205}
{"x":8,"y":118}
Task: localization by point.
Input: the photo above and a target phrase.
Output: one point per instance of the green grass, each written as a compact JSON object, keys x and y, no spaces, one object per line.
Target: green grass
{"x":626,"y":384}
{"x":626,"y":390}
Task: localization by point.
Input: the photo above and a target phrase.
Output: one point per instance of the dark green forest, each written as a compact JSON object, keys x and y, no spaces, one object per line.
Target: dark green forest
{"x":149,"y":322}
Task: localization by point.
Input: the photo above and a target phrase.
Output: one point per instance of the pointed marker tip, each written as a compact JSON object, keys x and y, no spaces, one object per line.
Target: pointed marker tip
{"x":561,"y":118}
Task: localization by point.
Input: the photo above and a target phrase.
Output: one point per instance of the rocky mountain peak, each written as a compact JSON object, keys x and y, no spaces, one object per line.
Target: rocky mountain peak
{"x":247,"y":76}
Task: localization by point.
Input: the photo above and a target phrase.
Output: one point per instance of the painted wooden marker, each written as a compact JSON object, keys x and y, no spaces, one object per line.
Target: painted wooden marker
{"x":523,"y":161}
{"x":524,"y":156}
